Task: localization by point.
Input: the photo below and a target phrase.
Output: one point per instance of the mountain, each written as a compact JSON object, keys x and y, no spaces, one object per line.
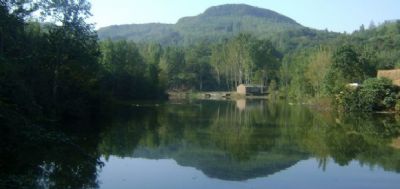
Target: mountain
{"x":215,"y":24}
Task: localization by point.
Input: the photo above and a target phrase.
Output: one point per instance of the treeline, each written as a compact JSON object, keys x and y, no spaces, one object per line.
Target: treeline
{"x":200,"y":67}
{"x":221,"y":66}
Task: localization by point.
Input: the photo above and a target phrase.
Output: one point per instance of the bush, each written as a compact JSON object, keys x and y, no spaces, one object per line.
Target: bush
{"x":348,"y":99}
{"x":378,"y":94}
{"x":374,"y":95}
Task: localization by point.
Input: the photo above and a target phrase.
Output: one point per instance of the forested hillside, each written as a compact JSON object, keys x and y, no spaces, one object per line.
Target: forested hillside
{"x":219,"y":23}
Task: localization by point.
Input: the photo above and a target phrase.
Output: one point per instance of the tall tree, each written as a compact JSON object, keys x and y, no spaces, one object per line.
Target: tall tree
{"x":348,"y":66}
{"x":198,"y":64}
{"x":319,"y":64}
{"x":73,"y":38}
{"x":172,"y":65}
{"x":267,"y":62}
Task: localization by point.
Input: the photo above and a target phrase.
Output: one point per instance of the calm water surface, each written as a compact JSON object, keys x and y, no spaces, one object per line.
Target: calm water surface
{"x":225,"y":144}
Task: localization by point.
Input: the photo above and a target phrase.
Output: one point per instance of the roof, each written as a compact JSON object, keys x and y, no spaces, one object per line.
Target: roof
{"x":390,"y":74}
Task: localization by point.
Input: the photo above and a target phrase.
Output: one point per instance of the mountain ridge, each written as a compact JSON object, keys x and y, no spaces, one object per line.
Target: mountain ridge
{"x":240,"y":10}
{"x":214,"y":24}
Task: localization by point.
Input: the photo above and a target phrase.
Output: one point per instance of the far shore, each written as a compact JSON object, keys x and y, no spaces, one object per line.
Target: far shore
{"x":213,"y":95}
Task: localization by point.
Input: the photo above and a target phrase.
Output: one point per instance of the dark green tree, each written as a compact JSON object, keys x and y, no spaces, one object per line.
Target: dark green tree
{"x":198,"y":64}
{"x":172,"y":65}
{"x":348,"y":66}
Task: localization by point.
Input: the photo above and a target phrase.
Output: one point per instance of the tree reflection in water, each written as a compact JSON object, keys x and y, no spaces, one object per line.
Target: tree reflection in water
{"x":241,"y":140}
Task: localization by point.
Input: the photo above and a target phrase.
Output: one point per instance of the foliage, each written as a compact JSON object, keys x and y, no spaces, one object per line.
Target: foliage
{"x":127,"y":76}
{"x":48,"y":70}
{"x":304,"y":72}
{"x":373,"y":95}
{"x":172,"y":64}
{"x":349,"y":66}
{"x":378,"y":94}
{"x":245,"y":59}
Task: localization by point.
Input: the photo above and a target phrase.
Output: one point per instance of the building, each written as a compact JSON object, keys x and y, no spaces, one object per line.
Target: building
{"x":393,"y":75}
{"x":250,"y":89}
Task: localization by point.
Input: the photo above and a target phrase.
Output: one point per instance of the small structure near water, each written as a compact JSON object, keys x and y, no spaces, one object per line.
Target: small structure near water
{"x":393,"y":75}
{"x":250,"y":89}
{"x":353,"y":85}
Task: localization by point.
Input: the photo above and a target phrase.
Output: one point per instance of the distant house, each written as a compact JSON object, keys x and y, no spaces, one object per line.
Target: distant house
{"x":393,"y":75}
{"x":250,"y":89}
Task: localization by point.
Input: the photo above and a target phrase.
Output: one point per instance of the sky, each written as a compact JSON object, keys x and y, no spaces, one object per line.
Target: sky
{"x":334,"y":15}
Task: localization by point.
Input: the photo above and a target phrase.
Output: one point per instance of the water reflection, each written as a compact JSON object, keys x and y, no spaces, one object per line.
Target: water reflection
{"x":242,"y":140}
{"x":44,"y":158}
{"x":225,"y":140}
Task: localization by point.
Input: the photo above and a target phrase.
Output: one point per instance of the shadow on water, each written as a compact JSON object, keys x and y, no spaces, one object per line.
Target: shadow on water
{"x":227,"y":140}
{"x":40,"y":157}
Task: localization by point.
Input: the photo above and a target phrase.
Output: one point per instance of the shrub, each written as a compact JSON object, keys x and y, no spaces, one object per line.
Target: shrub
{"x":374,"y":95}
{"x":377,"y":94}
{"x":348,"y":99}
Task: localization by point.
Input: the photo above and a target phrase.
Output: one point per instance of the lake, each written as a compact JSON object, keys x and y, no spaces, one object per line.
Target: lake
{"x":211,"y":144}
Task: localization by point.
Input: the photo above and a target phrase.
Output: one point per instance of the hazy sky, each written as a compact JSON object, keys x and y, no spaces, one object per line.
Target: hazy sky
{"x":335,"y":15}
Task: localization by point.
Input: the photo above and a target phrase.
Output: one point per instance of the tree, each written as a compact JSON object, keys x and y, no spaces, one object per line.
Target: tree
{"x":151,"y":54}
{"x":267,"y":62}
{"x":317,"y":68}
{"x":372,"y":25}
{"x":362,"y":28}
{"x":67,"y":12}
{"x":348,"y":66}
{"x":127,"y":74}
{"x":217,"y":62}
{"x":198,"y":64}
{"x":172,"y":64}
{"x":73,"y":38}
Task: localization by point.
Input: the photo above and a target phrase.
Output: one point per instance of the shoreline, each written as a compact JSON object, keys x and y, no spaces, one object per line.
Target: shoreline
{"x":213,"y":95}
